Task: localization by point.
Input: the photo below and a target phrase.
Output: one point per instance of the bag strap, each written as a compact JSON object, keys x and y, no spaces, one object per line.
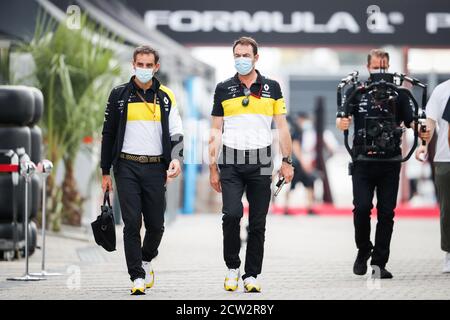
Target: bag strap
{"x":106,"y":198}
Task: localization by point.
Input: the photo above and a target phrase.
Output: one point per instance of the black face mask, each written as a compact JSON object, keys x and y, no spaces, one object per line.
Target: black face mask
{"x":376,"y":77}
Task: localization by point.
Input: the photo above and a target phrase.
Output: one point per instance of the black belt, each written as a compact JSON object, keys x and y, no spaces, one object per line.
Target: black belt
{"x":141,"y":159}
{"x":253,"y":156}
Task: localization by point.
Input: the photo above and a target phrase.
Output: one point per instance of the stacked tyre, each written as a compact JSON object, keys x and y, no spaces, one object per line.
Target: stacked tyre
{"x":21,"y":108}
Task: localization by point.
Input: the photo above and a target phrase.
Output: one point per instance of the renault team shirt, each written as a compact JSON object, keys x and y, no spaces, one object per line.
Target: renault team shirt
{"x":248,"y":127}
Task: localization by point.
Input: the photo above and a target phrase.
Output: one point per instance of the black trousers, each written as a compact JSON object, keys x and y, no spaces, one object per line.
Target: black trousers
{"x":255,"y":180}
{"x":382,"y":178}
{"x":141,"y":189}
{"x":300,"y":175}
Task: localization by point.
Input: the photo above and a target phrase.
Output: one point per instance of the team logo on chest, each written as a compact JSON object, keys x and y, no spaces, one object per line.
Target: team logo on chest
{"x":166,"y":104}
{"x":121,"y":106}
{"x":265,"y":92}
{"x":233,"y":90}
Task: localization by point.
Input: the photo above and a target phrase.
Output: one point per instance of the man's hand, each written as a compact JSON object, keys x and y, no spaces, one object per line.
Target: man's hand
{"x":107,"y":183}
{"x":214,"y":178}
{"x":287,"y":172}
{"x":174,"y":169}
{"x":343,"y":123}
{"x":426,"y":135}
{"x":422,"y":153}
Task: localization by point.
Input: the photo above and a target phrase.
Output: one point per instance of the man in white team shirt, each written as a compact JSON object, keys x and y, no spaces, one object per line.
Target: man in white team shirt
{"x":244,"y":107}
{"x":439,"y":101}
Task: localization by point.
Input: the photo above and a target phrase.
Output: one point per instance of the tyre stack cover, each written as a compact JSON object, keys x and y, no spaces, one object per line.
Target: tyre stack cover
{"x":35,"y":144}
{"x":36,"y":148}
{"x":21,"y":108}
{"x":36,"y":195}
{"x":16,"y":106}
{"x":38,"y":106}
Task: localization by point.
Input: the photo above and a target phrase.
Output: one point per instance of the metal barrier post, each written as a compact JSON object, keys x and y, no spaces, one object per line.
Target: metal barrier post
{"x":27,"y":169}
{"x":45,"y":168}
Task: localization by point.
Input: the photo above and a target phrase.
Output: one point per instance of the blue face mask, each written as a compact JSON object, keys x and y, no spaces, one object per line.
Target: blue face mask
{"x":144,"y":75}
{"x":243,"y":65}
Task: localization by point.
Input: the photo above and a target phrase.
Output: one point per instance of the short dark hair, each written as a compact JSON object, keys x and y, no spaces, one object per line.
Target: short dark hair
{"x":145,"y":49}
{"x":380,"y":53}
{"x":247,"y":41}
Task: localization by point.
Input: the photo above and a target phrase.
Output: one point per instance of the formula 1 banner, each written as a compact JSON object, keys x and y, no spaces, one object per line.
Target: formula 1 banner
{"x":292,"y":23}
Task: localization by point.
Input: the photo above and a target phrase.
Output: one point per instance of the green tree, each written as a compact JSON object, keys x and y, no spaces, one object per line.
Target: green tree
{"x":75,"y":70}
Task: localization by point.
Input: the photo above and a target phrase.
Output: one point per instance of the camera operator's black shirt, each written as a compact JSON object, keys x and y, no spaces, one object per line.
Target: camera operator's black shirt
{"x":361,"y":107}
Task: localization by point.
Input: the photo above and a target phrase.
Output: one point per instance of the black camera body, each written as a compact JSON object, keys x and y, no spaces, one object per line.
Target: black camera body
{"x":380,"y":137}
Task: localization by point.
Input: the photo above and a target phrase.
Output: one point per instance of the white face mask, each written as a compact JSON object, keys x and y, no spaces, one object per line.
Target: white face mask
{"x":243,"y":65}
{"x":144,"y":75}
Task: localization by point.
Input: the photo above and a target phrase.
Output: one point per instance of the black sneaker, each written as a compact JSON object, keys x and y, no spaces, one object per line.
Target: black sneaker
{"x":360,"y":265}
{"x":384,"y":274}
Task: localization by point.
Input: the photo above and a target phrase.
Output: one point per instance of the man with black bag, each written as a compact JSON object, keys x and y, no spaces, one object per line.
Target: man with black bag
{"x":143,"y":142}
{"x":369,"y":177}
{"x":103,"y":227}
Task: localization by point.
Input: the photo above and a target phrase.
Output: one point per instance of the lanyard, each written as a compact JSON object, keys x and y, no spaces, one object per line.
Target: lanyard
{"x":148,"y":106}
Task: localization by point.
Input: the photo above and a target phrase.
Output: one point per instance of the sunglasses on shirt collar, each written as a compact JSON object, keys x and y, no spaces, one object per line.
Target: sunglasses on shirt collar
{"x":248,"y":93}
{"x":246,"y":100}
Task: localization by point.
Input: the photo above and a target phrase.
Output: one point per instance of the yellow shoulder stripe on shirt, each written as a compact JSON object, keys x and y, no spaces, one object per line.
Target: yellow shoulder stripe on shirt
{"x":138,"y":111}
{"x":261,"y":106}
{"x":170,"y":94}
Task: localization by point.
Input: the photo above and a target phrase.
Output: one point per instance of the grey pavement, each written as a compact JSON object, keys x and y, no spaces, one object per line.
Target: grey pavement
{"x":305,"y":258}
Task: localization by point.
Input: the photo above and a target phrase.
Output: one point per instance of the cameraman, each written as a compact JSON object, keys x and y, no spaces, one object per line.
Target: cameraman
{"x":370,"y":177}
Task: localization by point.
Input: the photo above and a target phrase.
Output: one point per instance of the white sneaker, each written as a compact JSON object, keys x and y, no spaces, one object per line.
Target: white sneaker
{"x":231,"y":280}
{"x":138,"y":287}
{"x":446,"y":268}
{"x":251,"y":285}
{"x":149,"y":274}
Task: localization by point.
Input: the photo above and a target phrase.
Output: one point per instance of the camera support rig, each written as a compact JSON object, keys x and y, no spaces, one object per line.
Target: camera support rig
{"x":382,"y":84}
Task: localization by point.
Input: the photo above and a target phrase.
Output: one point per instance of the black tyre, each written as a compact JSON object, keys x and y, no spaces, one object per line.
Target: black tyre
{"x":38,"y":106}
{"x":12,"y":137}
{"x":6,"y":198}
{"x":32,"y":238}
{"x":36,"y":194}
{"x":7,"y":231}
{"x":36,"y":144}
{"x":16,"y":105}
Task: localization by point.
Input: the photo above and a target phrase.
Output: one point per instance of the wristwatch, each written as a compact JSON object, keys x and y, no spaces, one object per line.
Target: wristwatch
{"x":287,"y":160}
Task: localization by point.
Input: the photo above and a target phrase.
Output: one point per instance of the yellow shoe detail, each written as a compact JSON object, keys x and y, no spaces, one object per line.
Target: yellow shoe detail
{"x":230,"y":287}
{"x":137,"y":291}
{"x":150,"y":284}
{"x":252,"y":288}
